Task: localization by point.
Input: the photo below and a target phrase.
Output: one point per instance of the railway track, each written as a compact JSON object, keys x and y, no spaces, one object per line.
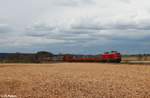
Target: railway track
{"x":136,"y":62}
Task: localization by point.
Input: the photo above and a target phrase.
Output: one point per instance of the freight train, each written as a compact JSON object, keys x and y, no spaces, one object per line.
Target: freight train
{"x":112,"y":56}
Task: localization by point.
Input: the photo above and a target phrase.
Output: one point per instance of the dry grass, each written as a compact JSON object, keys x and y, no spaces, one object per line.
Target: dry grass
{"x":75,"y":80}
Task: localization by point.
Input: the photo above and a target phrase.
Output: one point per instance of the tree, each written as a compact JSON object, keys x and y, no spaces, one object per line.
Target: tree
{"x":44,"y":54}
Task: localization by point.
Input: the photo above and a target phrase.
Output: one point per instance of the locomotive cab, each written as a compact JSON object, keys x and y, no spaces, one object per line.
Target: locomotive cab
{"x":112,"y":56}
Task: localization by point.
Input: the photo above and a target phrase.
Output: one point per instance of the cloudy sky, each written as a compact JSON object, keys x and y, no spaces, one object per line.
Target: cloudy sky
{"x":75,"y":26}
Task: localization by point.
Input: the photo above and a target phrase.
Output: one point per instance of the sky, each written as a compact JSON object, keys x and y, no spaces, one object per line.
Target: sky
{"x":75,"y":26}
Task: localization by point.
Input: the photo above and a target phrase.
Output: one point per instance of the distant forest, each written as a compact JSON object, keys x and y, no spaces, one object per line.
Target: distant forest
{"x":25,"y":57}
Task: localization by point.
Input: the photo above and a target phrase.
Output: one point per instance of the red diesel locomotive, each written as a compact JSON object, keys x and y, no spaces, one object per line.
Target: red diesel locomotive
{"x":112,"y":56}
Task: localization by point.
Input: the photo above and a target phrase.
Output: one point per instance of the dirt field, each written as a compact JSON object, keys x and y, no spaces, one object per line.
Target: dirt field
{"x":75,"y":80}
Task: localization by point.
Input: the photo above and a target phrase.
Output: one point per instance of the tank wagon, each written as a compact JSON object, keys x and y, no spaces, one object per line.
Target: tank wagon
{"x":112,"y":56}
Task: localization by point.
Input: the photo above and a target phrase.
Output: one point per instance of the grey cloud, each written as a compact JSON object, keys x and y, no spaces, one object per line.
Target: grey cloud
{"x":39,"y":30}
{"x":72,"y":3}
{"x":118,"y":25}
{"x":88,"y":26}
{"x":59,"y":33}
{"x":84,"y":31}
{"x":126,"y":1}
{"x":42,"y":27}
{"x":4,"y":28}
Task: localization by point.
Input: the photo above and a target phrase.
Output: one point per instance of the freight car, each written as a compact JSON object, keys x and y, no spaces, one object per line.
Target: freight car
{"x":112,"y":56}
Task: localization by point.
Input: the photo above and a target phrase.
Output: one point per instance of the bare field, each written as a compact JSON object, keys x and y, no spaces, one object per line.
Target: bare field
{"x":75,"y":80}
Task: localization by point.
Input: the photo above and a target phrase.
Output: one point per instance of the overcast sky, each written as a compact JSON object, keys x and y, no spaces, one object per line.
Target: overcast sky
{"x":75,"y":26}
